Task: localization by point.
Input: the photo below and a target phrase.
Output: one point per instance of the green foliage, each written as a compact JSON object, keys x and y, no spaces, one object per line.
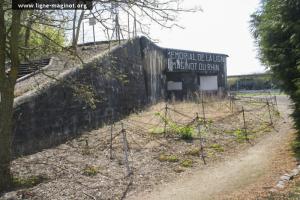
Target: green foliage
{"x":253,"y":82}
{"x":186,"y":163}
{"x":46,"y":41}
{"x":276,"y":27}
{"x":186,"y":132}
{"x":296,"y":147}
{"x":86,"y":94}
{"x":217,"y":147}
{"x":90,"y":170}
{"x":168,"y":158}
{"x":239,"y":134}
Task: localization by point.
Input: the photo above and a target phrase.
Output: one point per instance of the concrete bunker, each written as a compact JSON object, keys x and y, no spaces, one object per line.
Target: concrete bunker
{"x":188,"y":72}
{"x":51,"y":114}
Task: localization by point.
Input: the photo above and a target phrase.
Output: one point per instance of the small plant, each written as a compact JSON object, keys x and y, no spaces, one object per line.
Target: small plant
{"x":186,"y":132}
{"x":186,"y":163}
{"x":217,"y":147}
{"x":240,"y":135}
{"x":29,"y":181}
{"x":276,"y":113}
{"x":193,"y":152}
{"x":168,"y":158}
{"x":156,"y":131}
{"x":210,"y":153}
{"x":90,"y":170}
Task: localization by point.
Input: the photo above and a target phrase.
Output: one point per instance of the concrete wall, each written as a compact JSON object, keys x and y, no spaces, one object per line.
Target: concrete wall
{"x":129,"y":78}
{"x":154,"y":62}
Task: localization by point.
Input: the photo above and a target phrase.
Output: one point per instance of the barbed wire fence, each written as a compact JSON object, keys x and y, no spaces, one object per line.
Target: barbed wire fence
{"x":170,"y":116}
{"x":166,"y":116}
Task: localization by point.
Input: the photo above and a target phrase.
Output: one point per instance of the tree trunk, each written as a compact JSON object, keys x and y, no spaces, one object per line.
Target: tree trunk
{"x":74,"y":28}
{"x":6,"y":115}
{"x":7,"y":85}
{"x":77,"y":31}
{"x":27,"y":35}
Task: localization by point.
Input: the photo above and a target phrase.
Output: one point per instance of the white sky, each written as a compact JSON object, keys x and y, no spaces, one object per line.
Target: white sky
{"x":222,"y":27}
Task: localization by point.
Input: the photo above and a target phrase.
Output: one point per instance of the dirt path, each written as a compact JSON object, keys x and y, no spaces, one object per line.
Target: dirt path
{"x":253,"y":169}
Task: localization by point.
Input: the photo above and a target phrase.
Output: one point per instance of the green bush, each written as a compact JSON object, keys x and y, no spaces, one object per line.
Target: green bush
{"x":186,"y":163}
{"x":185,"y":132}
{"x":240,"y":135}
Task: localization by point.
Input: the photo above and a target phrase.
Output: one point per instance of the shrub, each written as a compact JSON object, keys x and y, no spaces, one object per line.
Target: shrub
{"x":186,"y":132}
{"x":168,"y":158}
{"x":240,"y":135}
{"x":186,"y":163}
{"x":90,"y":170}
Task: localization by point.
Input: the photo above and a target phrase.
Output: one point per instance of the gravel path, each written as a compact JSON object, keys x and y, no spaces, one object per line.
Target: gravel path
{"x":234,"y":173}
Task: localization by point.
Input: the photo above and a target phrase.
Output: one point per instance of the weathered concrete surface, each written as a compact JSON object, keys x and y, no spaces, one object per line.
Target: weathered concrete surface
{"x":126,"y":79}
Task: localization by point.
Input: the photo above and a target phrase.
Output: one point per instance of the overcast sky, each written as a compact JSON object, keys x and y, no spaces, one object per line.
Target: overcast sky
{"x":222,"y":27}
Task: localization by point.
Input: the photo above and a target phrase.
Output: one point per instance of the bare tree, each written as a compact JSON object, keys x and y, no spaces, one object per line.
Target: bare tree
{"x":106,"y":12}
{"x":8,"y":43}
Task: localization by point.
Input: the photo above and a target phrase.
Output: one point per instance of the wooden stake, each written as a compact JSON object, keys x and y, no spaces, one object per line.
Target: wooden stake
{"x":270,"y":116}
{"x":125,"y":145}
{"x":111,"y":142}
{"x":165,"y":119}
{"x":201,"y":145}
{"x":203,"y":111}
{"x":245,"y":127}
{"x":230,"y":103}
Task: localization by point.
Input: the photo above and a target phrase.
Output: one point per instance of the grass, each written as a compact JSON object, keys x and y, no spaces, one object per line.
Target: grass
{"x":28,"y":182}
{"x":187,"y":163}
{"x":193,"y":152}
{"x":156,"y":131}
{"x":168,"y":158}
{"x":239,"y":134}
{"x":261,"y":93}
{"x":217,"y":147}
{"x":91,"y":170}
{"x":186,"y":132}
